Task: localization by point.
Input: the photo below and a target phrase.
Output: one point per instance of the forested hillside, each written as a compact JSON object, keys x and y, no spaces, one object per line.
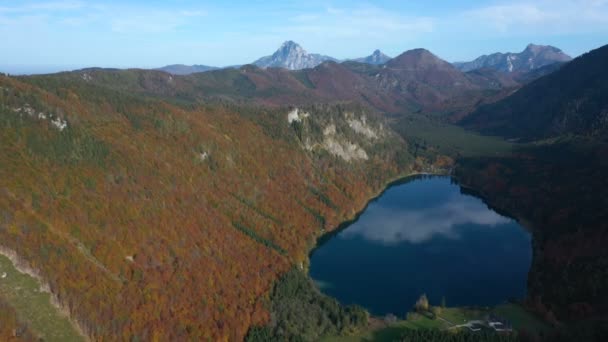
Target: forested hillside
{"x":556,"y":185}
{"x":558,"y":190}
{"x":572,"y":100}
{"x":186,"y":205}
{"x":176,"y":218}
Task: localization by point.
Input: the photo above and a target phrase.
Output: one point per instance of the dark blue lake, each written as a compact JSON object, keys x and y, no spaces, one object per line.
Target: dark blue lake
{"x":424,"y":236}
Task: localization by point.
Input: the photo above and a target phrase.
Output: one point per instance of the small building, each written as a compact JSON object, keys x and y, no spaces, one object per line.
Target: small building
{"x":475,"y":327}
{"x":499,"y":324}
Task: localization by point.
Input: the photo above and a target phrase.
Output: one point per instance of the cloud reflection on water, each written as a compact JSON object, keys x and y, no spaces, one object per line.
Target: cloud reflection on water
{"x":391,"y":226}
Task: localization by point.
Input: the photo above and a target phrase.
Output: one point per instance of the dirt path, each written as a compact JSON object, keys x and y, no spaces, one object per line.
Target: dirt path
{"x":445,"y":320}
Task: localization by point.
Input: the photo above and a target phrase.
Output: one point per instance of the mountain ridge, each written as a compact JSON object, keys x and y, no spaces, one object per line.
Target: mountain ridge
{"x":569,"y":100}
{"x":182,"y":69}
{"x":532,"y":57}
{"x":376,"y":58}
{"x":415,"y":80}
{"x":292,"y":56}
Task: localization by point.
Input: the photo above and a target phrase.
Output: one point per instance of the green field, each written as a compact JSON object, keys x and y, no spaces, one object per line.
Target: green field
{"x":516,"y":314}
{"x":522,"y":319}
{"x":434,"y":135}
{"x":392,"y":331}
{"x":461,"y":315}
{"x":34,"y":307}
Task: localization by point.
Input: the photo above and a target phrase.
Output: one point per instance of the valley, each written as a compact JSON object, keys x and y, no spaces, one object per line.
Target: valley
{"x":187,"y":205}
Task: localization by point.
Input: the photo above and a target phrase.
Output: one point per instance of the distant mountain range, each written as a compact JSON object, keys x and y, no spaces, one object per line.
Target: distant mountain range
{"x":182,"y":69}
{"x":376,"y":58}
{"x":570,"y":100}
{"x":533,"y":57}
{"x":415,"y":81}
{"x":293,"y":57}
{"x":290,"y":55}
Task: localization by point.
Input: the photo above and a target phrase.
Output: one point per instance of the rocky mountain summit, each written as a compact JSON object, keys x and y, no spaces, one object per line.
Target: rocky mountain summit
{"x":293,"y":57}
{"x":376,"y":58}
{"x":533,"y":57}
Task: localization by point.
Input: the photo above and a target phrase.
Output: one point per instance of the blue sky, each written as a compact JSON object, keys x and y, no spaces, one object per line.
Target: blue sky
{"x":50,"y":35}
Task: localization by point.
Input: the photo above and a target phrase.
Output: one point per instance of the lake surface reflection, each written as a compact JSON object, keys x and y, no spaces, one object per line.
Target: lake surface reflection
{"x":424,"y":236}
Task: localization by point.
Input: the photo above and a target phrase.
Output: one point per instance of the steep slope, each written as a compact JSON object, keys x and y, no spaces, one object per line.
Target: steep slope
{"x":533,"y":57}
{"x":572,"y":100}
{"x":425,"y":76}
{"x":424,"y":82}
{"x":421,"y":65}
{"x":181,"y":69}
{"x":527,"y":77}
{"x":210,"y":204}
{"x":556,"y":184}
{"x":335,"y":81}
{"x":10,"y":328}
{"x":376,"y":58}
{"x":293,"y":57}
{"x":558,"y":190}
{"x":492,"y":79}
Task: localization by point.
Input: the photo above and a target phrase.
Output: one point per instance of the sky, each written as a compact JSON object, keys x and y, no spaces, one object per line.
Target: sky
{"x":53,"y":35}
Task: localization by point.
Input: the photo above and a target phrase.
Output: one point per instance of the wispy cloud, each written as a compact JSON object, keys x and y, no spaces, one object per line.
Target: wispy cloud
{"x":358,"y":22}
{"x":389,"y":226}
{"x":119,"y":18}
{"x":56,"y":6}
{"x":556,"y":16}
{"x":52,"y":6}
{"x":132,"y":32}
{"x":193,"y":13}
{"x":153,"y":21}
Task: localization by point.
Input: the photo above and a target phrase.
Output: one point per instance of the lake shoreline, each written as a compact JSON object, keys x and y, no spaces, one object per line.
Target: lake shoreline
{"x":399,"y":180}
{"x":487,"y":200}
{"x":448,"y":179}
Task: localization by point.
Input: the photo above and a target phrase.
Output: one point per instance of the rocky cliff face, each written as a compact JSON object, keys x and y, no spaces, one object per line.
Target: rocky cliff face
{"x":292,"y":56}
{"x":533,"y":57}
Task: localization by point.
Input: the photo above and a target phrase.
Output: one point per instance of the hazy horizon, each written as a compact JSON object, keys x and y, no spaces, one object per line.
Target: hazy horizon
{"x":50,"y":36}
